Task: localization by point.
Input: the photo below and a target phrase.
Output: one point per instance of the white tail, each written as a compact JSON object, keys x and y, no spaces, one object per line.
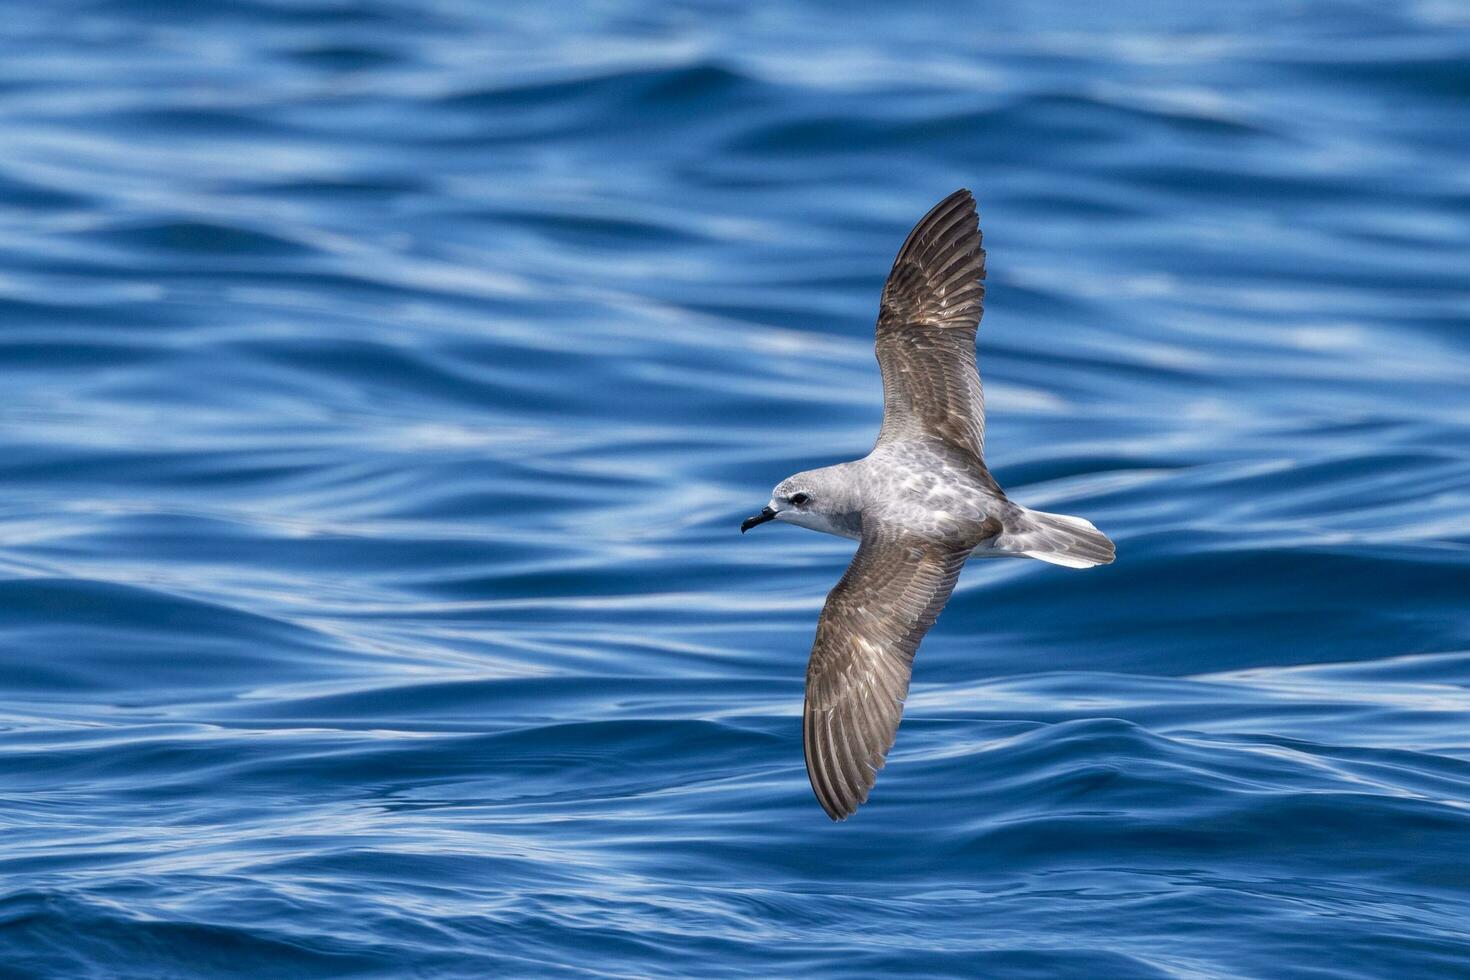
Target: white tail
{"x":1056,"y":538}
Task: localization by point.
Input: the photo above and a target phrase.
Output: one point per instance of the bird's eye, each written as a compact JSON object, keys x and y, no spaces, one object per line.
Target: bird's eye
{"x":799,"y":498}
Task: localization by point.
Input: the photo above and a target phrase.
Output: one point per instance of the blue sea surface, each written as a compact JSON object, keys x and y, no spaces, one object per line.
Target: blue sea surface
{"x":384,"y":381}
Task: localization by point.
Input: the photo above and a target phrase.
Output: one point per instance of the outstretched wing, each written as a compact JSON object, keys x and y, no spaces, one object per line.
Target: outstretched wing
{"x":858,"y":675}
{"x":931,"y":308}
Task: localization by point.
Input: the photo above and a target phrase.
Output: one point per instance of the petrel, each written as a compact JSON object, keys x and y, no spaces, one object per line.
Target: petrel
{"x":921,"y":503}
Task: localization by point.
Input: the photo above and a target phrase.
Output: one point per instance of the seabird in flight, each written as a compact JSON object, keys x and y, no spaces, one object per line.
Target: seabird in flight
{"x":921,"y":504}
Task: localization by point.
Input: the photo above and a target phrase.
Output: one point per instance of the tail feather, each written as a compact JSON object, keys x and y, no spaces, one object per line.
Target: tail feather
{"x":1057,"y":538}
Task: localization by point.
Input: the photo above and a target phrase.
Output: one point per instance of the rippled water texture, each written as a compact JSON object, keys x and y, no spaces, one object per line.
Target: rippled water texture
{"x":384,"y":382}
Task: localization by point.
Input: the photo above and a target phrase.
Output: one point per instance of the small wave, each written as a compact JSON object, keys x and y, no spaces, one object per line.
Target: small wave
{"x":107,"y":637}
{"x":195,"y":238}
{"x":652,"y":89}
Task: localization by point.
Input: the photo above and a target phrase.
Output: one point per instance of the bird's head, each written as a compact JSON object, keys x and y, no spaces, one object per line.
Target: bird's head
{"x":822,"y":500}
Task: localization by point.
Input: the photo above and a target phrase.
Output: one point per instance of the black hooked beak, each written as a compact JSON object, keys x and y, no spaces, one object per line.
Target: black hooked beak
{"x":766,"y":514}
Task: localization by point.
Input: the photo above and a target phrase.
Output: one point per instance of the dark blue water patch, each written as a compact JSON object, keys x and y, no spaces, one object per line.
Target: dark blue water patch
{"x":994,"y":130}
{"x":184,"y":122}
{"x":89,"y":637}
{"x":350,"y":188}
{"x":182,"y":471}
{"x":345,"y":57}
{"x":669,"y":102}
{"x":16,"y":192}
{"x":1427,"y":70}
{"x":88,"y":353}
{"x":1413,"y":602}
{"x":52,"y":934}
{"x":254,"y":14}
{"x":655,"y":88}
{"x":594,"y":230}
{"x":52,"y":313}
{"x":198,"y":239}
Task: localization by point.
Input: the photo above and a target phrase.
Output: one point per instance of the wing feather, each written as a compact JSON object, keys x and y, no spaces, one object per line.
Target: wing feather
{"x":860,"y":665}
{"x":930,"y":311}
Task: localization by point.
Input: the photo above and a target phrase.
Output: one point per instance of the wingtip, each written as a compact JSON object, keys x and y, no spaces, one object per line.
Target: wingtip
{"x":835,"y":814}
{"x":963,"y":194}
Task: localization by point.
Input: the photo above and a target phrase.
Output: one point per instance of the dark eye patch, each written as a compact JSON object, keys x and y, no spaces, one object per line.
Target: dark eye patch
{"x":799,"y":498}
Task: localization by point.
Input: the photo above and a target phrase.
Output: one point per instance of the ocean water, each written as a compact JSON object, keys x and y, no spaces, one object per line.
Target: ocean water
{"x":383,"y":383}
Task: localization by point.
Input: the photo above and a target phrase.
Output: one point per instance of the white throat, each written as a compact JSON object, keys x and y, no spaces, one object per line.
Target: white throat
{"x":817,"y":522}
